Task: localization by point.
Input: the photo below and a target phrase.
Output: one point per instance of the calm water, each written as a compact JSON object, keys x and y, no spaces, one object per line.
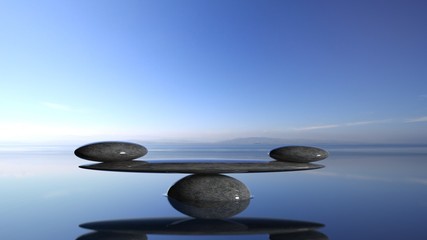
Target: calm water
{"x":364,"y":192}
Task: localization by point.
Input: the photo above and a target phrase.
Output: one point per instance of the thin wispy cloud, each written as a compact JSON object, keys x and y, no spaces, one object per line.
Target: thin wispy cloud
{"x":419,"y":119}
{"x":349,"y":124}
{"x":367,"y":122}
{"x":44,"y":131}
{"x":317,"y":127}
{"x":57,"y":106}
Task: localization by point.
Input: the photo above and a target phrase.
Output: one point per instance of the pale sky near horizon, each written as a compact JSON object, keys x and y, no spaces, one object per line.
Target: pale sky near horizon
{"x":350,"y":71}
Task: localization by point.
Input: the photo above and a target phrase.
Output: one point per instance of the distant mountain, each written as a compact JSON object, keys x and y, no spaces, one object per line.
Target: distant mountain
{"x":235,"y":141}
{"x":279,"y":141}
{"x":254,"y":140}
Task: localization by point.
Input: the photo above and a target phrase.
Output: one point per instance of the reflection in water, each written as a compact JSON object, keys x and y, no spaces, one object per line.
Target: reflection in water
{"x":210,"y":209}
{"x":211,"y":196}
{"x":306,"y":235}
{"x":278,"y":229}
{"x":112,"y":236}
{"x":212,"y":199}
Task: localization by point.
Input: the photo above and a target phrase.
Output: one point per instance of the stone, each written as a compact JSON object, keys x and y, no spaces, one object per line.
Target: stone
{"x":201,"y":167}
{"x":208,"y":187}
{"x":298,"y":154}
{"x":110,"y":151}
{"x":209,"y":196}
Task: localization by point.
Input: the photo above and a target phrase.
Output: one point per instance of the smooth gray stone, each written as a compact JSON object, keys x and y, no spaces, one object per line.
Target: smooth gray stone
{"x":208,"y":187}
{"x":210,"y":196}
{"x":299,"y":154}
{"x":110,"y":151}
{"x":201,"y":167}
{"x":192,"y":226}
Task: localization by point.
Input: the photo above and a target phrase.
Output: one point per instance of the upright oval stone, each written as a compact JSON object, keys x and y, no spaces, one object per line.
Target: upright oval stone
{"x":209,"y":196}
{"x":299,"y":154}
{"x":209,"y":187}
{"x":110,"y":151}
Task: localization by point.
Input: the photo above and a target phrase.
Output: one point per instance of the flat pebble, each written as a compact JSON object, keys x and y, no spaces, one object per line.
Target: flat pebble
{"x":201,"y":167}
{"x":110,"y":151}
{"x":298,"y":154}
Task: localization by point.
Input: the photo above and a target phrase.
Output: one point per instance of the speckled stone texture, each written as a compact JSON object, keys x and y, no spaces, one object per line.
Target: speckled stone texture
{"x":110,"y":151}
{"x":208,"y":187}
{"x":201,"y":167}
{"x":298,"y":154}
{"x":209,"y":196}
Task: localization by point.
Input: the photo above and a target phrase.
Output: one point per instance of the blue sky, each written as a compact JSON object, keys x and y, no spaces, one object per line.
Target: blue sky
{"x":330,"y":71}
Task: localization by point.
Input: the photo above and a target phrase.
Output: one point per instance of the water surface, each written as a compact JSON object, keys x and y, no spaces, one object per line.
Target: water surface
{"x":364,"y":192}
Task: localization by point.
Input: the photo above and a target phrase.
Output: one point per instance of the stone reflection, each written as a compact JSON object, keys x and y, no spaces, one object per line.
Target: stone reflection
{"x":112,"y":236}
{"x":305,"y":235}
{"x":276,"y":229}
{"x":210,"y":209}
{"x":209,"y":196}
